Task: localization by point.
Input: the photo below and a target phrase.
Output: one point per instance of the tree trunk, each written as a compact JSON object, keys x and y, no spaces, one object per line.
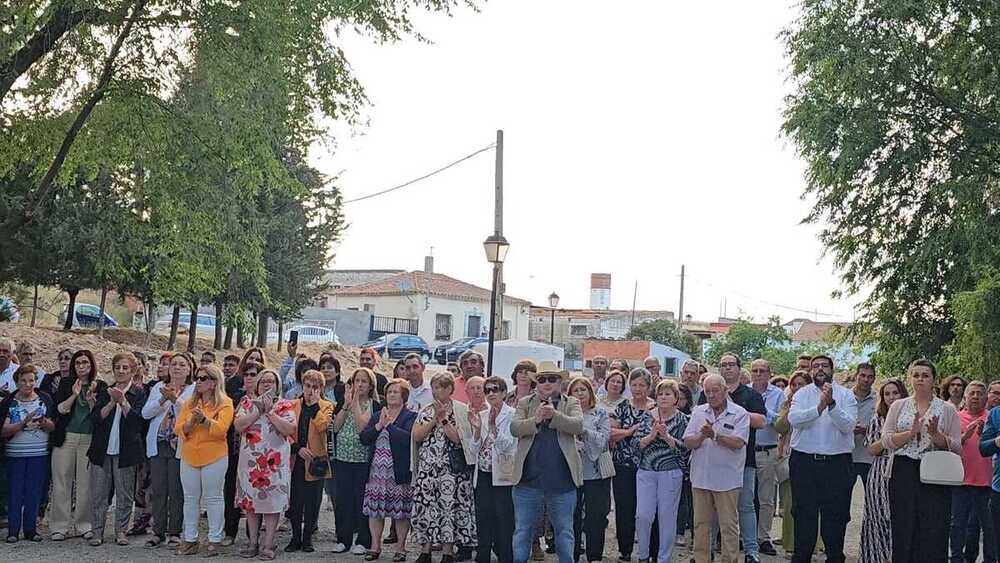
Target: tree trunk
{"x":100,"y":316}
{"x":217,"y":344}
{"x":150,"y":323}
{"x":262,"y":330}
{"x":71,"y":309}
{"x":281,"y":336}
{"x":193,"y":327}
{"x":227,"y":343}
{"x":34,"y":307}
{"x":175,"y":318}
{"x":241,"y":338}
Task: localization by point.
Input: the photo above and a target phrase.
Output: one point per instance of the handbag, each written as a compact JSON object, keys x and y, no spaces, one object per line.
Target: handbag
{"x":942,"y":468}
{"x":456,"y":460}
{"x":319,"y":466}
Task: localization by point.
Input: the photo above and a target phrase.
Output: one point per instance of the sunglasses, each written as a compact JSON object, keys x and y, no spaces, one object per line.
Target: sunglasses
{"x":550,"y":379}
{"x":491,"y":389}
{"x":250,"y":374}
{"x":203,"y":378}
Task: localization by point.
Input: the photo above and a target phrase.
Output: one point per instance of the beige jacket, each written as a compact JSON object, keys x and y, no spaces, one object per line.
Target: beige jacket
{"x":568,"y":421}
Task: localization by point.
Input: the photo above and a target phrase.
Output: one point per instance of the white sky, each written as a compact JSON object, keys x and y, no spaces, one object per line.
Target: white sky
{"x":639,"y":136}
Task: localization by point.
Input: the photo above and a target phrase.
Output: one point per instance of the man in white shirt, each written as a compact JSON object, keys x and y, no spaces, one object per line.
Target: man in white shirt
{"x":420,"y":390}
{"x":822,"y":416}
{"x":7,"y":367}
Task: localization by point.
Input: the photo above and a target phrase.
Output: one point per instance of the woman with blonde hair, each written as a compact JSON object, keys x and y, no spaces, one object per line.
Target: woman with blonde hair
{"x":352,"y":462}
{"x":203,"y":423}
{"x":593,"y":499}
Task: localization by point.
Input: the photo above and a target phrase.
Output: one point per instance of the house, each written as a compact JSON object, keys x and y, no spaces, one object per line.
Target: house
{"x":340,"y":279}
{"x":804,"y":332}
{"x":443,"y":308}
{"x":635,"y":352}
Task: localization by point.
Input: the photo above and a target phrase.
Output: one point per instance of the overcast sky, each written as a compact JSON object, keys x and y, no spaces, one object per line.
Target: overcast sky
{"x":640,"y":136}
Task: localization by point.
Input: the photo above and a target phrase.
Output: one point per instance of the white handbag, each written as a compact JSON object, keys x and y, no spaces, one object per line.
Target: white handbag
{"x":942,"y":468}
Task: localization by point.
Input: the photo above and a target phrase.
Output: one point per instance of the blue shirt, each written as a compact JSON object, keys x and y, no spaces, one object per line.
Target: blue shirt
{"x":988,"y":446}
{"x":773,"y":397}
{"x":545,"y":466}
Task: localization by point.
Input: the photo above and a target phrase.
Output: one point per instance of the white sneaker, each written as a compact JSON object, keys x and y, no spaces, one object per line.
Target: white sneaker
{"x":339,"y":548}
{"x":358,"y":549}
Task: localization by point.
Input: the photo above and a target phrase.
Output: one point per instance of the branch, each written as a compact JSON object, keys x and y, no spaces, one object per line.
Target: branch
{"x":47,"y":184}
{"x":63,"y":20}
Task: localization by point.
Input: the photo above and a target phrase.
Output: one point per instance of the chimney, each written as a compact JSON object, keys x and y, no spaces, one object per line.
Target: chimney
{"x":429,"y":264}
{"x":600,"y":292}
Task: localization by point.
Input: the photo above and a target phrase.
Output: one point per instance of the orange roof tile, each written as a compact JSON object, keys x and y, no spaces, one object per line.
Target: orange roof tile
{"x":440,"y":285}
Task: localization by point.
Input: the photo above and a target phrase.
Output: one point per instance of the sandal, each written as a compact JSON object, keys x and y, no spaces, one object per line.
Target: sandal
{"x":372,"y":555}
{"x":154,"y":541}
{"x":399,"y":557}
{"x":122,"y":539}
{"x":58,"y":536}
{"x":266,"y":555}
{"x":248,"y":551}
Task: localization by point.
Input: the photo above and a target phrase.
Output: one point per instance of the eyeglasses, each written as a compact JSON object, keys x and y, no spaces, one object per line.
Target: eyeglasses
{"x":549,"y":379}
{"x":249,"y":374}
{"x":489,"y":389}
{"x":204,"y":378}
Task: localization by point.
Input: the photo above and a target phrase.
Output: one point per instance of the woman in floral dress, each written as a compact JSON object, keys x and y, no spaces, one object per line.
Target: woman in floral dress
{"x":876,"y":527}
{"x":264,"y":475}
{"x":442,"y":497}
{"x":388,"y":493}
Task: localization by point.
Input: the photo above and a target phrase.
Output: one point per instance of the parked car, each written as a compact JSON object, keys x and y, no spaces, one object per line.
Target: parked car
{"x":89,"y":316}
{"x":309,"y":333}
{"x":453,"y":350}
{"x":206,"y":322}
{"x":397,"y":346}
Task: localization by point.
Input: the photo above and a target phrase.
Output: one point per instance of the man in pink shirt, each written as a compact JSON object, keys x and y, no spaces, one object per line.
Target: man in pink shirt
{"x":717,"y":435}
{"x":472,"y":365}
{"x":970,"y":511}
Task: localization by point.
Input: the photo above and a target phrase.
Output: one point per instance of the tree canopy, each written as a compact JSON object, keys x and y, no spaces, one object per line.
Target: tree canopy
{"x":667,"y":332}
{"x":894,"y":109}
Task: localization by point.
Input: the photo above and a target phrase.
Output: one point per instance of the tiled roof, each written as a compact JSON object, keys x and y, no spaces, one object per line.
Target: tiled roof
{"x":424,"y":283}
{"x":811,"y":331}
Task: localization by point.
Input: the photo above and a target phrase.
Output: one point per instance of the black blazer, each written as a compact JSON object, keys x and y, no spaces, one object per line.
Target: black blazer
{"x":399,"y":442}
{"x":63,"y":392}
{"x":132,"y":440}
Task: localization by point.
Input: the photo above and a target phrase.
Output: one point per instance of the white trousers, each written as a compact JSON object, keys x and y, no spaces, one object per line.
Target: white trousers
{"x":204,"y":483}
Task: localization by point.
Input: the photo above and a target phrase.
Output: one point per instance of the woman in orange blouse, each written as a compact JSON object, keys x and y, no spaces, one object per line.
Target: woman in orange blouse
{"x":203,"y":422}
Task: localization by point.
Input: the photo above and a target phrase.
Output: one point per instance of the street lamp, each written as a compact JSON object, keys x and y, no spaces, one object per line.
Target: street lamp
{"x":553,"y":303}
{"x":496,"y":251}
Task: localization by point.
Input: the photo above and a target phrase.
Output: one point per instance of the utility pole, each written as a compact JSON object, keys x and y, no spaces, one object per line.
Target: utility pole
{"x":635,"y":294}
{"x":496,"y":306}
{"x":680,"y":310}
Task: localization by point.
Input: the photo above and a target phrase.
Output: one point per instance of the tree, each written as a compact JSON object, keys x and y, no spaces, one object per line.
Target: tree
{"x":667,"y":332}
{"x":79,"y":60}
{"x":975,"y":351}
{"x":895,"y":113}
{"x":750,"y":341}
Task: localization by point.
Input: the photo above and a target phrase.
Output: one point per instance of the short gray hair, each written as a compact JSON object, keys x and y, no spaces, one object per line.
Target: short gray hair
{"x":714,"y":378}
{"x":9,"y":342}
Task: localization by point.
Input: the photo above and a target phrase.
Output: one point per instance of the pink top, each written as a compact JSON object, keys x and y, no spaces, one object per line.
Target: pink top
{"x":459,"y":393}
{"x":715,"y":467}
{"x":978,"y":469}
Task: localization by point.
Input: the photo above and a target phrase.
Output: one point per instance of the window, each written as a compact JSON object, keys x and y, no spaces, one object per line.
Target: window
{"x":368,"y":308}
{"x":442,"y":327}
{"x":473,"y":326}
{"x":669,"y":366}
{"x":505,"y":331}
{"x":578,"y":330}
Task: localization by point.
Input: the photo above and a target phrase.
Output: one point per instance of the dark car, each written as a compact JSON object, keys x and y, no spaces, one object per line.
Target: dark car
{"x":397,"y":346}
{"x":450,"y":352}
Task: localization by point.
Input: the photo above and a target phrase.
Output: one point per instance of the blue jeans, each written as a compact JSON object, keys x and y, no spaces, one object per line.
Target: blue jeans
{"x":748,"y":517}
{"x":969,"y":507}
{"x":528,"y":503}
{"x":25,"y":479}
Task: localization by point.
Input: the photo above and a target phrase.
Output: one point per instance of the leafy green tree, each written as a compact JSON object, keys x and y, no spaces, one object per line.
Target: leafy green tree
{"x":667,"y":332}
{"x":975,"y":352}
{"x":895,"y":112}
{"x":750,"y":341}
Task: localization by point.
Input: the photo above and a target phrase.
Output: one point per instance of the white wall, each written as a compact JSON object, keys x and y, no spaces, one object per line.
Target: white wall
{"x":426,"y":308}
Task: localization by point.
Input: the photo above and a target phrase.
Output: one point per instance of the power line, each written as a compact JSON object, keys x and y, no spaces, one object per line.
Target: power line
{"x":768,"y":303}
{"x":424,"y":177}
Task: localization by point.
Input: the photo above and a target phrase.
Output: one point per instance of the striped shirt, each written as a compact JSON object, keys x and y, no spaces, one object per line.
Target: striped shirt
{"x":32,"y":441}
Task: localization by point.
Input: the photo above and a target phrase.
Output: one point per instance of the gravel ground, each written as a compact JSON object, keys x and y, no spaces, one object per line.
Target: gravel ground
{"x":77,"y":550}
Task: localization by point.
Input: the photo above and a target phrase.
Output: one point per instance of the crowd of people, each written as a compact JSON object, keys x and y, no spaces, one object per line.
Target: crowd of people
{"x":479,"y":466}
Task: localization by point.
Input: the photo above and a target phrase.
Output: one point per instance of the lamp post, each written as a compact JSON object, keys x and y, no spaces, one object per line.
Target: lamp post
{"x":496,"y":247}
{"x":553,"y":303}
